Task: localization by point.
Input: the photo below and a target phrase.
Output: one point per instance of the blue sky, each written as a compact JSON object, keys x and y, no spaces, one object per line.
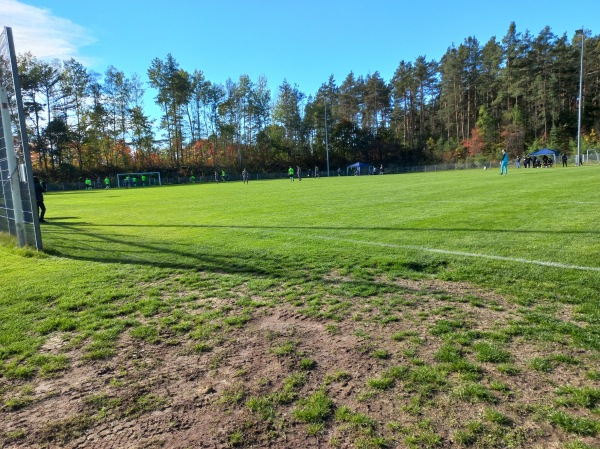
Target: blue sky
{"x":302,"y":41}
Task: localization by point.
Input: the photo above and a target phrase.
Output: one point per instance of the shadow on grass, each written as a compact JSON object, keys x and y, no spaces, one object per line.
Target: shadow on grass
{"x":82,"y":241}
{"x":327,"y":228}
{"x":100,"y":247}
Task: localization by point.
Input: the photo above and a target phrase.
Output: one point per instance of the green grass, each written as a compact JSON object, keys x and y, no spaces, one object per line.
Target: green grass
{"x":196,"y":264}
{"x":314,"y":409}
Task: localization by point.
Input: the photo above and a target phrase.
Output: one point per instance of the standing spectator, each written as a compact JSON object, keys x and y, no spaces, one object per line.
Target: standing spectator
{"x":316,"y":171}
{"x":40,"y":188}
{"x":245,"y":176}
{"x":564,"y":160}
{"x":339,"y":171}
{"x":381,"y":169}
{"x":518,"y":162}
{"x":504,"y":163}
{"x":299,"y":172}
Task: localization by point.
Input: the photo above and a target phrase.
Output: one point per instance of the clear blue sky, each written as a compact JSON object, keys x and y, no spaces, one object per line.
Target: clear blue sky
{"x":303,"y":41}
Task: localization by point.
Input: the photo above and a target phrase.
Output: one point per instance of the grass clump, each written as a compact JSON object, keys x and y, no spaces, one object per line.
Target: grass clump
{"x":579,"y":445}
{"x":20,"y":400}
{"x":475,"y":393}
{"x":357,"y":421}
{"x":381,"y":354}
{"x":487,"y":352}
{"x":508,"y":368}
{"x":147,"y":333}
{"x":573,"y":424}
{"x":471,"y":432}
{"x":401,"y":336}
{"x":587,"y":397}
{"x":144,"y":404}
{"x":381,"y":383}
{"x":266,"y":405}
{"x":541,"y":364}
{"x":307,"y":364}
{"x":338,"y":376}
{"x":315,"y":409}
{"x":286,"y":349}
{"x":497,"y":417}
{"x":449,"y":353}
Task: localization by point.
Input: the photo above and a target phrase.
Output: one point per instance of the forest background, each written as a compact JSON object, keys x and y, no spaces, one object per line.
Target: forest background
{"x":520,"y":93}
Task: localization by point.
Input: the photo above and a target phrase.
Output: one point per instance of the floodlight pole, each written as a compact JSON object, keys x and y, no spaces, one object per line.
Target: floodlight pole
{"x":578,"y":162}
{"x":326,"y":141}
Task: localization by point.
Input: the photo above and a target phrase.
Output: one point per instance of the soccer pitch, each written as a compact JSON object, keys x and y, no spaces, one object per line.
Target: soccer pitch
{"x":473,"y":220}
{"x":510,"y":263}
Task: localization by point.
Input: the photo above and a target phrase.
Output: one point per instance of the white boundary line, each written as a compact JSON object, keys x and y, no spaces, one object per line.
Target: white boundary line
{"x":465,"y":254}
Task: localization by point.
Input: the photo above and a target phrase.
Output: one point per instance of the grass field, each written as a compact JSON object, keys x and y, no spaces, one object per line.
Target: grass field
{"x":424,"y":310}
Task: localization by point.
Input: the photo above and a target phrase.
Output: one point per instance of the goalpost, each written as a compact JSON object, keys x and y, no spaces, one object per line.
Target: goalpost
{"x":18,"y":205}
{"x":142,"y":179}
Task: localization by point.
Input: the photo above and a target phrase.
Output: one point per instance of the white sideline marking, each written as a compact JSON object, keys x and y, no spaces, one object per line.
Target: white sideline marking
{"x":465,"y":254}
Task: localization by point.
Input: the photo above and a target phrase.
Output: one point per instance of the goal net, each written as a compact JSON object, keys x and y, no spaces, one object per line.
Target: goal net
{"x":141,"y":179}
{"x":18,"y":205}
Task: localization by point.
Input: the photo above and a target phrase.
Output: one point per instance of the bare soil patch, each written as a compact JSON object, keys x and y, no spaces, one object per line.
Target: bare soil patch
{"x":171,"y":396}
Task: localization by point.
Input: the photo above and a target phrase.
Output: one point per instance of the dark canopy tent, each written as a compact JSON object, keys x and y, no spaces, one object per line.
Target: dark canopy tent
{"x":364,"y":169}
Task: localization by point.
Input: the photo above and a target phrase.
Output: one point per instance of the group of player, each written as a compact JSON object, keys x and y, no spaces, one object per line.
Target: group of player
{"x":298,"y":172}
{"x":129,"y":181}
{"x":89,"y":185}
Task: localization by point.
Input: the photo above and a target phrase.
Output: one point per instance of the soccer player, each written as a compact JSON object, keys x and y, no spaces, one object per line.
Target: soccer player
{"x":106,"y":183}
{"x":291,"y":173}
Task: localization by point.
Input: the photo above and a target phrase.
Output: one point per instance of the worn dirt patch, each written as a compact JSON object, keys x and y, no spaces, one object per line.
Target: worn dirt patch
{"x":169,"y":396}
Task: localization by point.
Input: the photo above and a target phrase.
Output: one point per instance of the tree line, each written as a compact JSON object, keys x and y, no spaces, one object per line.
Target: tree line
{"x":520,"y":93}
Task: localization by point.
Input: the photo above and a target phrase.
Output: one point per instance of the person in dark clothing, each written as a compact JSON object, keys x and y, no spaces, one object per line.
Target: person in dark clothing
{"x":40,"y":188}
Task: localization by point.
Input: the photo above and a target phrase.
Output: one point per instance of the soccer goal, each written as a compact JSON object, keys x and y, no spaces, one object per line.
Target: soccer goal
{"x":141,"y":179}
{"x":18,"y":205}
